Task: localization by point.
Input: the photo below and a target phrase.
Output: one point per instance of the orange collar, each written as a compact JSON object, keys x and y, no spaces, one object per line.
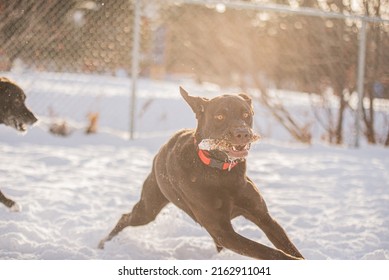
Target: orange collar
{"x":211,"y":162}
{"x":206,"y":158}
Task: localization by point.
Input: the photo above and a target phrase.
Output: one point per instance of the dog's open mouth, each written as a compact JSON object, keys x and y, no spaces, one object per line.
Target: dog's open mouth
{"x":20,"y":126}
{"x":238,"y":151}
{"x":16,"y":124}
{"x":233,"y":151}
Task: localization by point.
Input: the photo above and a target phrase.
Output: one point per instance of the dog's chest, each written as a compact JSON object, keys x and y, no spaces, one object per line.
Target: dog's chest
{"x":179,"y":169}
{"x":208,"y":179}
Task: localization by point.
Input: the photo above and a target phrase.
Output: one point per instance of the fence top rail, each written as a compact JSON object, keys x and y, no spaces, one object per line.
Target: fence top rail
{"x":282,"y":8}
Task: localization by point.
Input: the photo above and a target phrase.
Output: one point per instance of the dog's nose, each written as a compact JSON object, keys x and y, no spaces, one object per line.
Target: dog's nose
{"x":33,"y":119}
{"x":242,"y":134}
{"x":29,"y":117}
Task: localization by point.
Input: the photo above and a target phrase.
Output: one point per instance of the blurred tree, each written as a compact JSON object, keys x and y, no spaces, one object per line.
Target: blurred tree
{"x":375,"y":69}
{"x":246,"y":47}
{"x":239,"y":47}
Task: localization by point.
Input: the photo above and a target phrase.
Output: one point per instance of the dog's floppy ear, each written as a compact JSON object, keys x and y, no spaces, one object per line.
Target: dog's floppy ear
{"x":196,"y":103}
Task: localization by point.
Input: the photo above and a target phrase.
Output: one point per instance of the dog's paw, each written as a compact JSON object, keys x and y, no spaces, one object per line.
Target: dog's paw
{"x":101,"y":244}
{"x":15,"y":208}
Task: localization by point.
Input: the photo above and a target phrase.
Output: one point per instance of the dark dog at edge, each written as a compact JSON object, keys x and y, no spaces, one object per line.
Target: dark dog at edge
{"x":203,"y":172}
{"x":13,"y":113}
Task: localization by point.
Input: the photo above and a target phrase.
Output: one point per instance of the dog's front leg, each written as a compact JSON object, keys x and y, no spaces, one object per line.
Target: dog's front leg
{"x":12,"y":205}
{"x":253,"y":207}
{"x":275,"y":233}
{"x":225,"y":236}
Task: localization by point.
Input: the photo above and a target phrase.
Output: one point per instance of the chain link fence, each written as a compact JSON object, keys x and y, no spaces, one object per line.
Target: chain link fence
{"x":80,"y":52}
{"x":67,"y":36}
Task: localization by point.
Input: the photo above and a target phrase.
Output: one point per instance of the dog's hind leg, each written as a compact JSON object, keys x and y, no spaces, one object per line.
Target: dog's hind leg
{"x":145,"y":210}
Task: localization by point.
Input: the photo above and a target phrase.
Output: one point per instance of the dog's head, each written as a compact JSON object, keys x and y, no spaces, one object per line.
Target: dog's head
{"x":13,"y":111}
{"x":224,"y":123}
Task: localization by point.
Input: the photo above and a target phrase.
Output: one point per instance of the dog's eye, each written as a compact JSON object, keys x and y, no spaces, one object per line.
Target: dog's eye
{"x":219,"y":117}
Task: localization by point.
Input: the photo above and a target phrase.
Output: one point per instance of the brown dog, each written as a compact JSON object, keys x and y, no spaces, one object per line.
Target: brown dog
{"x":203,"y":172}
{"x":13,"y":113}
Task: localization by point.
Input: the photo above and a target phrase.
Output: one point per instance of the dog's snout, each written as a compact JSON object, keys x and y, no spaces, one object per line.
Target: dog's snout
{"x":33,"y":119}
{"x":242,"y":134}
{"x":29,"y":117}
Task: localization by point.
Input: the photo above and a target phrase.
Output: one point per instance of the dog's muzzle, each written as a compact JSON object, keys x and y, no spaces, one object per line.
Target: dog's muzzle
{"x":233,"y":151}
{"x":20,"y":122}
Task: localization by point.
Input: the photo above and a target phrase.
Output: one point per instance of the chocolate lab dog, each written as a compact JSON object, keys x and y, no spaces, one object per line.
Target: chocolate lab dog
{"x":13,"y":113}
{"x":203,"y":172}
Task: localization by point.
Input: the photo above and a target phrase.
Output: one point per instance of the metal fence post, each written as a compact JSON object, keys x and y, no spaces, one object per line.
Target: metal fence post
{"x":360,"y":81}
{"x":135,"y":65}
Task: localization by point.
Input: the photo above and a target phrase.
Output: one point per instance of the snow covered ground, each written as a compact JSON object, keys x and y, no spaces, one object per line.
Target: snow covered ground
{"x":332,"y":201}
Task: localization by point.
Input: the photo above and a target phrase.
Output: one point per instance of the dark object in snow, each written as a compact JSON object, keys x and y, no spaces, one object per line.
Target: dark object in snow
{"x":13,"y":113}
{"x":60,"y":129}
{"x":58,"y":126}
{"x":92,"y":126}
{"x":207,"y":179}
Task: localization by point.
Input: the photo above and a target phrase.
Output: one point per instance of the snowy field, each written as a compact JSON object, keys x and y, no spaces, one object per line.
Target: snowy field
{"x":332,"y":201}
